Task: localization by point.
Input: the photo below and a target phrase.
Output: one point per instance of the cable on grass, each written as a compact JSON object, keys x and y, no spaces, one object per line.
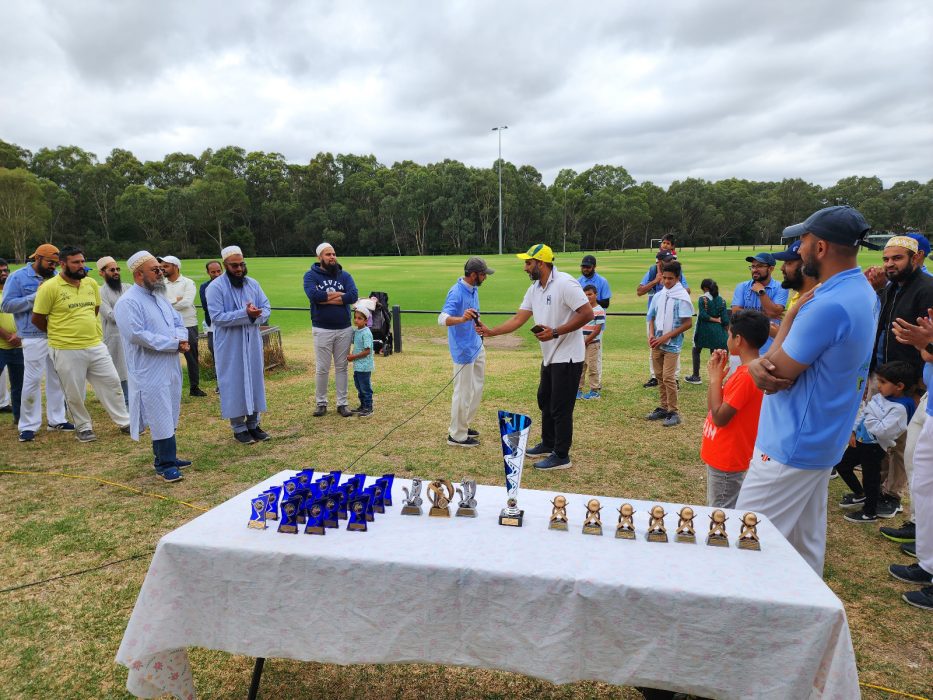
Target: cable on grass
{"x":76,"y":573}
{"x":891,"y":690}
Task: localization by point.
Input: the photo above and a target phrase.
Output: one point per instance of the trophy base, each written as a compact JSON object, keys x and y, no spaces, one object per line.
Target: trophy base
{"x":341,"y":515}
{"x":370,"y":518}
{"x":623,"y":534}
{"x":657,"y":537}
{"x":331,"y":523}
{"x":592,"y":530}
{"x":717,"y":541}
{"x":289,"y":529}
{"x":302,"y":519}
{"x":356,"y":527}
{"x":511,"y":520}
{"x":690,"y":539}
{"x":411,"y":510}
{"x":749,"y":544}
{"x":379,"y":509}
{"x":315,"y":530}
{"x":466,"y":512}
{"x":436,"y":512}
{"x":257,"y":524}
{"x":557,"y":525}
{"x":271,"y":516}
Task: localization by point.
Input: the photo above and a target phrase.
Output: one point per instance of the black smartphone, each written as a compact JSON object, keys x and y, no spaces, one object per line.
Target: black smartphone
{"x":537,"y":329}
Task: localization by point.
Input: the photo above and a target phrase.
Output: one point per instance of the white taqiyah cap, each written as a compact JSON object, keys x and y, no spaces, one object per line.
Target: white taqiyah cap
{"x":321,"y":248}
{"x":230,"y":250}
{"x":137,"y":259}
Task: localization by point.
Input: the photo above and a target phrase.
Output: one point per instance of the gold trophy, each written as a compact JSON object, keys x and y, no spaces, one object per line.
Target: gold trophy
{"x":558,"y":514}
{"x":717,"y":536}
{"x":625,"y":529}
{"x":440,"y":493}
{"x":592,"y":525}
{"x":749,"y":537}
{"x":685,"y":531}
{"x":656,"y":530}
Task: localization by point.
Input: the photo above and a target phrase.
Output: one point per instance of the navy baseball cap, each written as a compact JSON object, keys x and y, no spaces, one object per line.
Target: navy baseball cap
{"x":765,"y":258}
{"x":792,"y":252}
{"x":588,"y":261}
{"x":922,"y":243}
{"x":840,"y":224}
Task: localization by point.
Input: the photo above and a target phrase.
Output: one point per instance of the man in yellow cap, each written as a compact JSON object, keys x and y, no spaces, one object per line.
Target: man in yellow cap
{"x":560,"y":309}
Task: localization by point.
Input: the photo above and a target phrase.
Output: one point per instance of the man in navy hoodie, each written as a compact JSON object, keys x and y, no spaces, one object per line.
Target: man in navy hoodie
{"x":331,"y":292}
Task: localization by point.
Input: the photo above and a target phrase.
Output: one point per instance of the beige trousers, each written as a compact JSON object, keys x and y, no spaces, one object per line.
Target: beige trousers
{"x":75,"y":368}
{"x":592,"y":367}
{"x":468,"y":391}
{"x":665,"y":369}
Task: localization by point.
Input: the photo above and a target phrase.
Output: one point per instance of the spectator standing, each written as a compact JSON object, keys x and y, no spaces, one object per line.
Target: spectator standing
{"x":670,"y":316}
{"x":11,"y":350}
{"x":180,"y":291}
{"x":363,"y":363}
{"x":712,"y":322}
{"x":762,"y":292}
{"x":651,"y":285}
{"x":214,"y":270}
{"x":588,"y":275}
{"x":923,"y":250}
{"x":592,"y":342}
{"x":795,"y":282}
{"x":110,"y":293}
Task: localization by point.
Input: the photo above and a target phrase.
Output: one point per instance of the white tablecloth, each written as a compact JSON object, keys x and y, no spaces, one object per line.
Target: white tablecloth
{"x":562,"y":606}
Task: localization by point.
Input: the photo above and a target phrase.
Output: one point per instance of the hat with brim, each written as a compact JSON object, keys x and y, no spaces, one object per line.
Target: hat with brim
{"x":764,"y":258}
{"x":840,"y":224}
{"x":538,"y":252}
{"x":792,"y":252}
{"x":588,"y":261}
{"x":171,"y":260}
{"x":477,"y":265}
{"x":46,"y":250}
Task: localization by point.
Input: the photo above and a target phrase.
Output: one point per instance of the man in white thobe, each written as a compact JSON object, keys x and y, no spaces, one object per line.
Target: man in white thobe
{"x":110,"y":293}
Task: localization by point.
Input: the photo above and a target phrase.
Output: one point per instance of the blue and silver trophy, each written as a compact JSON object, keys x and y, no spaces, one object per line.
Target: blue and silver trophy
{"x":514,"y":429}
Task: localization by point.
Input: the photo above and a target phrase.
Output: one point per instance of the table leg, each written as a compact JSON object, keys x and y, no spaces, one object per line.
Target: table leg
{"x":257,"y":675}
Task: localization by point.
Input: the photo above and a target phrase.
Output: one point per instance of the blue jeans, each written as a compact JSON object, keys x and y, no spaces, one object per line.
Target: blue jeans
{"x":364,"y":387}
{"x":164,"y":451}
{"x":12,"y":359}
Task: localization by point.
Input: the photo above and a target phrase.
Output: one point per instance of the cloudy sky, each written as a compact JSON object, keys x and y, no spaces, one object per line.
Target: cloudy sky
{"x":702,"y":88}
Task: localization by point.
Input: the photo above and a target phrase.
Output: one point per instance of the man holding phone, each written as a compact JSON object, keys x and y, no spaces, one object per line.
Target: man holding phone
{"x":560,"y":309}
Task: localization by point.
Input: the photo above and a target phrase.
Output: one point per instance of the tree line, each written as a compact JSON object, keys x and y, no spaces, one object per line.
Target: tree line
{"x":195,"y":205}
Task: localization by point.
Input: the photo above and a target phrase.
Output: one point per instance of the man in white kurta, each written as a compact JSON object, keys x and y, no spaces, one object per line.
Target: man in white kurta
{"x":238,"y":308}
{"x":153,"y":334}
{"x":110,"y":293}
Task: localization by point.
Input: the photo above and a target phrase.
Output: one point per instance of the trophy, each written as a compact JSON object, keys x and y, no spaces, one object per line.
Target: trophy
{"x":387,"y":493}
{"x":467,"y":492}
{"x":717,"y":530}
{"x":330,"y":510}
{"x":370,"y":493}
{"x":514,"y":429}
{"x":625,"y":530}
{"x":315,"y":524}
{"x":440,"y":493}
{"x":380,"y":489}
{"x":685,"y":531}
{"x":358,"y":513}
{"x":257,"y":516}
{"x":749,"y":537}
{"x":558,"y":514}
{"x":272,"y":505}
{"x":656,"y":530}
{"x":592,"y":525}
{"x":412,"y":500}
{"x":335,"y":478}
{"x":289,"y":522}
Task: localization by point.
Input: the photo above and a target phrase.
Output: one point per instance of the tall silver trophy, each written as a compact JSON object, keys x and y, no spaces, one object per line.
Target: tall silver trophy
{"x":514,"y":429}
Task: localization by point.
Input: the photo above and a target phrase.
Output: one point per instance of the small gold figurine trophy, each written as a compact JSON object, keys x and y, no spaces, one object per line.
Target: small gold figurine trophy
{"x":717,"y":536}
{"x":558,"y":514}
{"x":749,"y":537}
{"x":592,"y":525}
{"x":440,"y":493}
{"x":625,"y":530}
{"x":685,"y":531}
{"x":656,"y":530}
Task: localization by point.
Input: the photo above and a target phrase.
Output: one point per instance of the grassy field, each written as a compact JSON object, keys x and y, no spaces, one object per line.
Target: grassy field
{"x":60,"y":637}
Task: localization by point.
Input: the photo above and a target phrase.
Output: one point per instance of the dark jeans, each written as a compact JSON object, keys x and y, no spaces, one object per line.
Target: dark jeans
{"x":164,"y":451}
{"x":210,"y":344}
{"x":12,"y":359}
{"x":191,"y":358}
{"x":364,"y":388}
{"x":869,"y":455}
{"x":557,"y":396}
{"x":696,"y":360}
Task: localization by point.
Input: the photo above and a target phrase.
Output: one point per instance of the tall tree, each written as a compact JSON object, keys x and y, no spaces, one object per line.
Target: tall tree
{"x":23,"y":211}
{"x":220,"y":202}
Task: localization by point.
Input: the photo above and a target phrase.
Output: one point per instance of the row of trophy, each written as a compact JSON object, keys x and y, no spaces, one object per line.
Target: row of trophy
{"x":441,"y":493}
{"x":320,"y":505}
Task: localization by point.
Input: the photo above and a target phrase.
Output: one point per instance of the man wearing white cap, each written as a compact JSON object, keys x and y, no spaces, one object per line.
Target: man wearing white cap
{"x":238,"y":308}
{"x":331,"y":292}
{"x":180,"y":292}
{"x":153,"y":335}
{"x":110,"y":293}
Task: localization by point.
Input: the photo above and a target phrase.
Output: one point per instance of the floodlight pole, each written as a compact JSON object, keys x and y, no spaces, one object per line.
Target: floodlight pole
{"x":500,"y":129}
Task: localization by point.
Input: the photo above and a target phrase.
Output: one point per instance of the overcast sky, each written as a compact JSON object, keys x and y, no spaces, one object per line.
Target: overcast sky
{"x":707,"y":88}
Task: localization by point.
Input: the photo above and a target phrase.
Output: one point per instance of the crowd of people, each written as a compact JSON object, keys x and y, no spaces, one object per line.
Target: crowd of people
{"x":812,"y":377}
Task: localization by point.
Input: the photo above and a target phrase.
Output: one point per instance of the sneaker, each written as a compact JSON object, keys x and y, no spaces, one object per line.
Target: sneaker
{"x":465,"y":442}
{"x":472,"y":433}
{"x":693,"y":379}
{"x":86,"y":435}
{"x":171,"y":474}
{"x":920,"y":599}
{"x":910,"y":549}
{"x":125,"y":429}
{"x":650,"y":383}
{"x":850,"y":500}
{"x":259,"y":435}
{"x":196,"y":392}
{"x":538,"y":450}
{"x":579,"y":394}
{"x":905,"y":533}
{"x":344,"y":411}
{"x":368,"y":412}
{"x":6,"y":409}
{"x":357,"y":409}
{"x":182,"y":463}
{"x":244,"y":438}
{"x":591,"y":395}
{"x":320,"y":410}
{"x":62,"y":427}
{"x":27,"y":436}
{"x":553,"y":462}
{"x":657,"y":414}
{"x":889,"y":506}
{"x":861,"y":517}
{"x":834,"y":474}
{"x":914,"y":573}
{"x":672,"y":419}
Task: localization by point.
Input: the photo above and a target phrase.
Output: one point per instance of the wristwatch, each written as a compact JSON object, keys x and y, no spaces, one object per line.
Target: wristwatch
{"x":760,"y":292}
{"x":929,"y":348}
{"x":554,"y":333}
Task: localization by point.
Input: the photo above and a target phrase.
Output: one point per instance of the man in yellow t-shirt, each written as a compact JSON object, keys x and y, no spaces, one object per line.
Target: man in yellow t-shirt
{"x":11,"y":351}
{"x":66,"y":308}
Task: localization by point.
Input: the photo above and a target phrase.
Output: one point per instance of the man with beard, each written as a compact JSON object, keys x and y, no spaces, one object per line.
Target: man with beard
{"x":153,"y":334}
{"x":814,"y":377}
{"x":110,"y":293}
{"x":794,"y":280}
{"x":762,"y":292}
{"x":180,"y":290}
{"x":214,"y":270}
{"x":19,"y":294}
{"x":560,"y":309}
{"x":11,"y":352}
{"x":66,"y":308}
{"x":466,"y":350}
{"x":238,"y":307}
{"x":331,"y":292}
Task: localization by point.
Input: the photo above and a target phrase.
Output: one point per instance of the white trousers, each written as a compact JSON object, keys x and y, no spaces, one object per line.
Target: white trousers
{"x":468,"y":391}
{"x":921,"y":493}
{"x":330,"y":344}
{"x":793,"y":499}
{"x":37,"y":364}
{"x":78,"y":367}
{"x":913,"y":433}
{"x":4,"y":388}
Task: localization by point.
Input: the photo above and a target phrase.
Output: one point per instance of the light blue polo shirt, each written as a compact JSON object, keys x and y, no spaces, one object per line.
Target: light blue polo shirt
{"x":747,"y":299}
{"x":462,"y":339}
{"x":808,"y":425}
{"x":602,"y":286}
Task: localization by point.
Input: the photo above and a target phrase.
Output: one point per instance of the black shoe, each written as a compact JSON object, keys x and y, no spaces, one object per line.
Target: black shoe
{"x":889,"y":506}
{"x":363,"y":413}
{"x":650,"y":383}
{"x":657,"y":414}
{"x":357,"y":409}
{"x":6,"y":409}
{"x":320,"y":410}
{"x":905,"y":533}
{"x":552,"y":462}
{"x":850,"y":500}
{"x":472,"y":433}
{"x":258,"y":434}
{"x":693,"y":379}
{"x":920,"y":599}
{"x":466,"y":442}
{"x":182,"y":463}
{"x":344,"y":411}
{"x":910,"y":549}
{"x":914,"y":573}
{"x":196,"y":392}
{"x":538,"y":450}
{"x":861,"y":516}
{"x":244,"y":438}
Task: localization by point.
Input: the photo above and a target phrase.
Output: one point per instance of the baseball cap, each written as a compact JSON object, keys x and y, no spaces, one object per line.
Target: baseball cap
{"x":538,"y":252}
{"x":46,"y":250}
{"x":588,"y":261}
{"x":840,"y":224}
{"x":765,"y":258}
{"x":923,"y":243}
{"x":665,"y":256}
{"x":792,"y":252}
{"x":477,"y":265}
{"x":171,"y":259}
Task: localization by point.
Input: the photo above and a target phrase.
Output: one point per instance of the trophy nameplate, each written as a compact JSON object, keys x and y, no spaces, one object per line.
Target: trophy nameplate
{"x":685,"y":531}
{"x":315,"y":524}
{"x":467,"y":506}
{"x":289,"y":522}
{"x":513,"y":430}
{"x":593,"y":525}
{"x":257,"y":515}
{"x":748,"y":539}
{"x":717,"y":536}
{"x":656,"y":530}
{"x":625,"y":528}
{"x":412,"y":501}
{"x":511,"y":515}
{"x":558,"y":514}
{"x":357,"y":511}
{"x":440,"y":493}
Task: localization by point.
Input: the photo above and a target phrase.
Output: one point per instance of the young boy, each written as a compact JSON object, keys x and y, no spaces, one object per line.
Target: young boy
{"x":732,"y":422}
{"x":669,"y":317}
{"x":878,"y":425}
{"x":667,"y":245}
{"x":362,"y":359}
{"x":592,"y":337}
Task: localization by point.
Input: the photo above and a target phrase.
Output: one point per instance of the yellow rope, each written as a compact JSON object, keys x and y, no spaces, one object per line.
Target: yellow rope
{"x":891,"y":690}
{"x":109,"y":483}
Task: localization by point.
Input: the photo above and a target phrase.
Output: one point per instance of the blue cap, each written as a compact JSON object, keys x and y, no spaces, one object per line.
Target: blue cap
{"x":792,"y":252}
{"x":922,"y":243}
{"x":765,"y":258}
{"x":840,"y":224}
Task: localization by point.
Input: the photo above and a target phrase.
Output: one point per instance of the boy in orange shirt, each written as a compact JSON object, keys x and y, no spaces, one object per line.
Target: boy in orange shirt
{"x":732,"y":423}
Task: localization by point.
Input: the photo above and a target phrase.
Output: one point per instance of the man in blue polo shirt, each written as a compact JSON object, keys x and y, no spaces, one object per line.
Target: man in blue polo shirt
{"x":460,"y":313}
{"x":814,"y":376}
{"x":588,"y":275}
{"x":762,"y":292}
